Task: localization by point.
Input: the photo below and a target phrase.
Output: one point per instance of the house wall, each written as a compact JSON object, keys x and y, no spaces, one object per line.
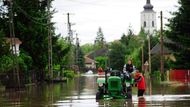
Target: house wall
{"x":17,"y":49}
{"x":91,"y":65}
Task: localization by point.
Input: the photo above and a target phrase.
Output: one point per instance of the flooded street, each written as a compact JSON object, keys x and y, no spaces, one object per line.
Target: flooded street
{"x":81,"y":91}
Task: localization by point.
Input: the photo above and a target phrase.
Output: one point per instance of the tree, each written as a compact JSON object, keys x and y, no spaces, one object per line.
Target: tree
{"x":87,"y":48}
{"x":117,"y":55}
{"x":4,"y":47}
{"x":81,"y":58}
{"x":79,"y":55}
{"x":102,"y":61}
{"x":125,"y":39}
{"x":100,"y":40}
{"x":60,"y":51}
{"x":178,"y":32}
{"x":31,"y":27}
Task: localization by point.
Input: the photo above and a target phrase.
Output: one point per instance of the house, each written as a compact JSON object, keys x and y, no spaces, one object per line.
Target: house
{"x":156,"y":50}
{"x":100,"y":52}
{"x":12,"y":42}
{"x":166,"y":52}
{"x":90,"y":63}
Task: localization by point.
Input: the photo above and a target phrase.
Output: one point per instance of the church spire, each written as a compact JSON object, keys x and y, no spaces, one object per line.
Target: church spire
{"x":148,"y":6}
{"x":148,"y":2}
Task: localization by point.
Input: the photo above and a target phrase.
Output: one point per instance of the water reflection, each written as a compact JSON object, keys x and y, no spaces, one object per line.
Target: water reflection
{"x":80,"y":92}
{"x":141,"y":102}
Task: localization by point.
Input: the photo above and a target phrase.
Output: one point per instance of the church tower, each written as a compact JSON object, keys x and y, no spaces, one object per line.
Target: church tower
{"x":148,"y":18}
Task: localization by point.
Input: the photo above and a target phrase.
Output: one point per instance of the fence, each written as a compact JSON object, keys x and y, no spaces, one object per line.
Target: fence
{"x":180,"y":75}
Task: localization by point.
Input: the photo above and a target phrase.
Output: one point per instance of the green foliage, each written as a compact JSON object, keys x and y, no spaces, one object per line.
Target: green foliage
{"x":178,"y":32}
{"x":135,"y":55}
{"x":87,"y":48}
{"x":69,"y":74}
{"x":31,"y":28}
{"x":100,"y":40}
{"x":117,"y":55}
{"x":125,"y":39}
{"x":26,"y":61}
{"x":57,"y":67}
{"x":6,"y":63}
{"x":102,"y":61}
{"x":134,"y":44}
{"x":156,"y":75}
{"x":60,"y":50}
{"x":80,"y":57}
{"x":4,"y":47}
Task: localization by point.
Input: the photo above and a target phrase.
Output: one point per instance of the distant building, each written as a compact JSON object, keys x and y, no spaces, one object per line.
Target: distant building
{"x":148,"y":18}
{"x":90,"y":63}
{"x":168,"y":54}
{"x":156,"y":50}
{"x":17,"y":44}
{"x":100,"y":52}
{"x":89,"y":58}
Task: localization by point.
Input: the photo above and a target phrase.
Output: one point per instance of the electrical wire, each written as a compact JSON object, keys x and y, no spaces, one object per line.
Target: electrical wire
{"x":35,"y":20}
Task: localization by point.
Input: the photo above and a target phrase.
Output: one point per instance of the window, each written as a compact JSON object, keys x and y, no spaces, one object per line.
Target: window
{"x":152,"y":23}
{"x":144,"y":23}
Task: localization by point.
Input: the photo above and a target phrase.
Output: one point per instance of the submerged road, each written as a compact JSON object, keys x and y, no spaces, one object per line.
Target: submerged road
{"x":80,"y":92}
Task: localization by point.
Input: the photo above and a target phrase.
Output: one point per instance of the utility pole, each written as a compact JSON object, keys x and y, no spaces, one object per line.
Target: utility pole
{"x":70,"y":32}
{"x":69,"y":40}
{"x":149,"y":53}
{"x":16,"y":76}
{"x":161,"y":47}
{"x":77,"y":51}
{"x":50,"y":69}
{"x":142,"y":57}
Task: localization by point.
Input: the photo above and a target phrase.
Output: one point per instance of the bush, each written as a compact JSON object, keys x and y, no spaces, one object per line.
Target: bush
{"x":68,"y":74}
{"x":156,"y":74}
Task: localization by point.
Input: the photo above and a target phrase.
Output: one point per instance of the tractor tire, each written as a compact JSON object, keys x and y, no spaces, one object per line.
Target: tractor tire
{"x":98,"y":96}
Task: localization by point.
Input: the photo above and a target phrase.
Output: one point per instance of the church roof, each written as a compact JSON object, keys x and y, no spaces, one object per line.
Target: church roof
{"x":148,"y":5}
{"x":17,"y":40}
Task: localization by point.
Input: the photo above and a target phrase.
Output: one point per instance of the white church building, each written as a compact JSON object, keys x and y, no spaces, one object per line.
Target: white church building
{"x":148,"y":18}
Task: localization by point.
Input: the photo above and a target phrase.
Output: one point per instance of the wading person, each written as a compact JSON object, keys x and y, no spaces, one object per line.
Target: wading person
{"x":139,"y":79}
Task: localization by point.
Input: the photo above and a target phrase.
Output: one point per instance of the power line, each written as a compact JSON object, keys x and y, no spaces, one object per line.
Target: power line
{"x":35,"y":20}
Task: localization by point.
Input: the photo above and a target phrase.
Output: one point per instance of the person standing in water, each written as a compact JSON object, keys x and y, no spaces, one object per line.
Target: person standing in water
{"x":139,"y":78}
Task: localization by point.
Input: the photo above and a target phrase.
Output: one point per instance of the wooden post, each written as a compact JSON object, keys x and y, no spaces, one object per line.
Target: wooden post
{"x":161,"y":48}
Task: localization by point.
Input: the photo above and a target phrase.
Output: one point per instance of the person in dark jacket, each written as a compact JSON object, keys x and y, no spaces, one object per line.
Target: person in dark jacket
{"x":129,"y":67}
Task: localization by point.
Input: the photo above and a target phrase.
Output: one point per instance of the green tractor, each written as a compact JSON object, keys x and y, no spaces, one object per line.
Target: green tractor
{"x":115,"y":86}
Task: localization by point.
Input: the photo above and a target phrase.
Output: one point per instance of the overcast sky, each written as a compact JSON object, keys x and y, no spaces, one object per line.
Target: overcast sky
{"x":113,"y":16}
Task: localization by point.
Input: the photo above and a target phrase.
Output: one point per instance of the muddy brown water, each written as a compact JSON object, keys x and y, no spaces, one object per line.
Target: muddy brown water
{"x":80,"y":92}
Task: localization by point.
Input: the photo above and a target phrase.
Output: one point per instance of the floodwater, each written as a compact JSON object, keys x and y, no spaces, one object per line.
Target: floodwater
{"x":81,"y":91}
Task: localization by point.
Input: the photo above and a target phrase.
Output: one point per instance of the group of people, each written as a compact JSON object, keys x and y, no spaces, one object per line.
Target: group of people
{"x":131,"y":70}
{"x":137,"y":76}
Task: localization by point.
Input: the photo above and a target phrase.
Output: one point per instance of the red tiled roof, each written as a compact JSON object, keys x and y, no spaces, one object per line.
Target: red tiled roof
{"x":89,"y":60}
{"x":17,"y":40}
